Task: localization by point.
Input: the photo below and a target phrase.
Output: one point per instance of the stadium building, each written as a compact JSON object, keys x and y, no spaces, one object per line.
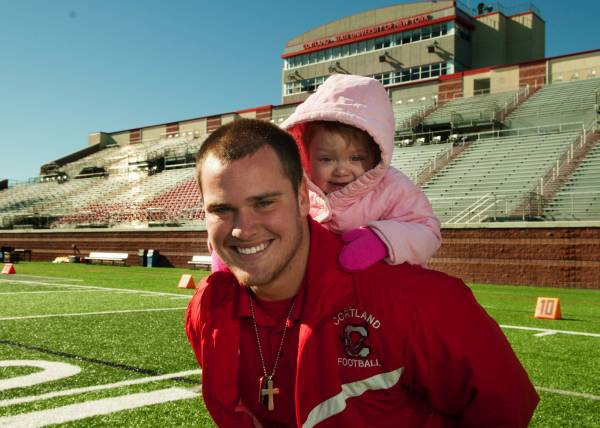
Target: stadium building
{"x":503,"y":140}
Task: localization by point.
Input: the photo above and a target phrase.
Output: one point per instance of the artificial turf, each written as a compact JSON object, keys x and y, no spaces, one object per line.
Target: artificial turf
{"x":137,"y":332}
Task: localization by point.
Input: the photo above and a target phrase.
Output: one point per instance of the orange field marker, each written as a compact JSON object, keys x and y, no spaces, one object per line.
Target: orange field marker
{"x":8,"y":269}
{"x":548,"y":308}
{"x":186,"y":281}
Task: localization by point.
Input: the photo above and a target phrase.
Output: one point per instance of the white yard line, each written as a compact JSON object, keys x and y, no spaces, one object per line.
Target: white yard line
{"x":48,"y":292}
{"x":93,"y":287}
{"x":81,"y":314}
{"x":550,"y":331}
{"x":104,"y":406}
{"x":568,"y":393}
{"x":94,"y":388}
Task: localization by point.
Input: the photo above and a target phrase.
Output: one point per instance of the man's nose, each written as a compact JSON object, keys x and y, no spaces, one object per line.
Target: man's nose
{"x":245,"y":225}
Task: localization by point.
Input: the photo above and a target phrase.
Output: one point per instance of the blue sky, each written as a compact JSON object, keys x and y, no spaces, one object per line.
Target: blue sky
{"x":71,"y":67}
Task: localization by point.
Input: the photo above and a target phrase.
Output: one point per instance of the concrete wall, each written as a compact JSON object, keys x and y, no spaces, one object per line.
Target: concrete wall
{"x":99,"y":137}
{"x":574,"y":67}
{"x":414,"y":92}
{"x":505,"y":79}
{"x":542,"y":256}
{"x":121,"y":138}
{"x":488,"y":40}
{"x":197,"y":126}
{"x":526,"y":38}
{"x":153,"y":132}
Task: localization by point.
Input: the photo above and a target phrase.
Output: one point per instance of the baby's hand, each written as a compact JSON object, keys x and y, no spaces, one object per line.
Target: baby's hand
{"x":362,"y":249}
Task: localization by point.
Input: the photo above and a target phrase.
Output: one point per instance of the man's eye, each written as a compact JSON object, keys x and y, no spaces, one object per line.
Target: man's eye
{"x":220,"y":211}
{"x":264,"y":204}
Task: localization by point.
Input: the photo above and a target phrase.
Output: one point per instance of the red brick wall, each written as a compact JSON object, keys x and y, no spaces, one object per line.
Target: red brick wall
{"x":264,"y":114}
{"x":449,"y":89}
{"x":532,"y":74}
{"x":212,"y":123}
{"x":176,"y":247}
{"x":135,"y":136}
{"x":553,"y":257}
{"x":172,"y":128}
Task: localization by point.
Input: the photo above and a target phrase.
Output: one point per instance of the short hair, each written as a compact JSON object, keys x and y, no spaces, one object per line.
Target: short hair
{"x":348,"y":132}
{"x":244,"y":137}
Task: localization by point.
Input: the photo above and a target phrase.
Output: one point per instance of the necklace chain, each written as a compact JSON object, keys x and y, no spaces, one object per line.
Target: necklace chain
{"x":260,"y":352}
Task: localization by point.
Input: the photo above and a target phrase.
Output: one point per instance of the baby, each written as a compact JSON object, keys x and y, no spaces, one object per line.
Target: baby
{"x":345,"y":131}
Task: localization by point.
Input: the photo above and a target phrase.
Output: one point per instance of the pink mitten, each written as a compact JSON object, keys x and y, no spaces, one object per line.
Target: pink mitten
{"x":216,"y":264}
{"x":362,"y":249}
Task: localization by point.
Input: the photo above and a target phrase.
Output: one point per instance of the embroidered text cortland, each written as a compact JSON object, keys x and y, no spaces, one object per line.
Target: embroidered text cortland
{"x":355,"y":313}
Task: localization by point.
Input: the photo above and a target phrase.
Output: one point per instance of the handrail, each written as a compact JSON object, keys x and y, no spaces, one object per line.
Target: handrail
{"x":470,"y":209}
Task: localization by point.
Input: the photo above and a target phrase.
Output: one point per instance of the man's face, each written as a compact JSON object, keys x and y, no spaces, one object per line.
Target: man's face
{"x":255,"y":221}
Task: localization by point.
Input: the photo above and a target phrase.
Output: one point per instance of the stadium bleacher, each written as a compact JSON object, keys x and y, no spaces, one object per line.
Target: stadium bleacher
{"x":493,"y":175}
{"x":408,"y":113}
{"x":579,"y":198}
{"x":471,"y":111}
{"x":493,"y":178}
{"x":413,"y":160}
{"x":563,"y":102}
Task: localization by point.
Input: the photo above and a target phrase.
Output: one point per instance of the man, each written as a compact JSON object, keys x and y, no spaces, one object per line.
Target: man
{"x":288,"y":339}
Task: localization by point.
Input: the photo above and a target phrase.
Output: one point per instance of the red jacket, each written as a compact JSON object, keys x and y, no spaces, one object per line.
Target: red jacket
{"x":387,"y":347}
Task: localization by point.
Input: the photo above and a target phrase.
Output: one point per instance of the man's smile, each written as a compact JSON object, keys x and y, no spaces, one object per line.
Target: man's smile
{"x":252,"y":250}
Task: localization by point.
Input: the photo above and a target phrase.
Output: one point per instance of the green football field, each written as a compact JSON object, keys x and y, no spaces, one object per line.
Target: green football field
{"x":103,"y":346}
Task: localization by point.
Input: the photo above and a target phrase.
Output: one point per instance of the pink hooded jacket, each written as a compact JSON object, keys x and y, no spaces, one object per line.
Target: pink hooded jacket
{"x":383,"y":198}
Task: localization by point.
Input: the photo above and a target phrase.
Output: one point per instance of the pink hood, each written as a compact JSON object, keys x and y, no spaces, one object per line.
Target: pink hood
{"x":358,"y":101}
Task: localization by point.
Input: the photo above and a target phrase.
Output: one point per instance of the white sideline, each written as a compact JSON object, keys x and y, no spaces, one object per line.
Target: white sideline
{"x":569,"y":393}
{"x":92,"y":287}
{"x":549,"y":331}
{"x":74,"y":391}
{"x":127,"y":311}
{"x":104,"y":406}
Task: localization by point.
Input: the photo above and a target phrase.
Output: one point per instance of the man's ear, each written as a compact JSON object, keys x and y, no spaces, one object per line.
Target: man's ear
{"x":303,"y":201}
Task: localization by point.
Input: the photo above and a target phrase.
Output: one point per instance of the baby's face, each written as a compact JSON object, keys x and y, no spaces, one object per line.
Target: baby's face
{"x":335,"y":162}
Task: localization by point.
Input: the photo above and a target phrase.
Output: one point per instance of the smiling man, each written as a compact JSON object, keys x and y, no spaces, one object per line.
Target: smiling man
{"x":288,"y":339}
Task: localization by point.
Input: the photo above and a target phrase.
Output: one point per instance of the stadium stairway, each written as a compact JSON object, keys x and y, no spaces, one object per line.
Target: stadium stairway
{"x":441,"y":163}
{"x":576,"y":195}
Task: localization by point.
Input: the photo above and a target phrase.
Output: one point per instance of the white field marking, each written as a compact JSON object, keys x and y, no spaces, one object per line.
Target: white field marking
{"x":569,"y":393}
{"x":58,"y":278}
{"x":94,"y":388}
{"x":81,"y":314}
{"x":104,"y":406}
{"x":13,"y":283}
{"x":545,"y":333}
{"x":51,"y":370}
{"x":549,"y":331}
{"x":47,"y":292}
{"x":93,"y":287}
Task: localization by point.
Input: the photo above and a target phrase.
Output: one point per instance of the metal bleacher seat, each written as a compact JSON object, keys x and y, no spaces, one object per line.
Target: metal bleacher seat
{"x":413,"y":160}
{"x":499,"y":166}
{"x":564,"y":102}
{"x":470,"y":110}
{"x":579,"y":197}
